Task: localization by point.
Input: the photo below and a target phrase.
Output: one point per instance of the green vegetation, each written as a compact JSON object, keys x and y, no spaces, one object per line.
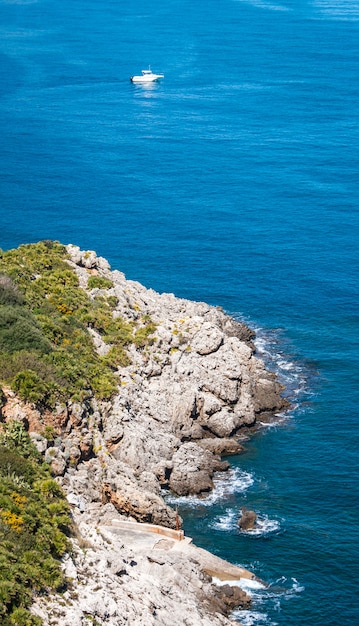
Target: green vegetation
{"x":98,"y":282}
{"x":46,"y":351}
{"x":34,"y":524}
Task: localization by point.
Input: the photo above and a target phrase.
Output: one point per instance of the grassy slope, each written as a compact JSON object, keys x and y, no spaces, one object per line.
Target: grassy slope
{"x":46,"y":356}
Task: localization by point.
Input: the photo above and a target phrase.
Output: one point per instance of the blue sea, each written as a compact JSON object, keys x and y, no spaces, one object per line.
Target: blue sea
{"x":235,"y":181}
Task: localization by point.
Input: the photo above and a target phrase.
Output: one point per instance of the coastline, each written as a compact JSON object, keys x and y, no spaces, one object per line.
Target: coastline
{"x":185,"y":397}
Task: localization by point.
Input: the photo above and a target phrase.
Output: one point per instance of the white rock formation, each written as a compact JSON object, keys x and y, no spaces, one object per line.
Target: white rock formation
{"x":182,"y":402}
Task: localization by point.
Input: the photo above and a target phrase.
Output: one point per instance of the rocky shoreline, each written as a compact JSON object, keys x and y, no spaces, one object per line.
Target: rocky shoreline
{"x":181,"y":405}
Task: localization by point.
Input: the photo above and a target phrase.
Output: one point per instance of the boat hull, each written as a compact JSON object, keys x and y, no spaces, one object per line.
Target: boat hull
{"x":146,"y":79}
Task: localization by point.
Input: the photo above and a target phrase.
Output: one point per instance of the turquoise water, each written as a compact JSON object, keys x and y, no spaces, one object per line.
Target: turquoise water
{"x":235,"y":181}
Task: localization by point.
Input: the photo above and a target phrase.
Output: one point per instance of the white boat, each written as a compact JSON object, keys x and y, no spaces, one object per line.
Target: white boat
{"x":147,"y":76}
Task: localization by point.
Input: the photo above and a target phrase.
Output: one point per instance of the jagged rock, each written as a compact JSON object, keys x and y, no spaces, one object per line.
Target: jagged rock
{"x":55,"y":457}
{"x":221,"y":446}
{"x":248,"y":519}
{"x":210,"y":404}
{"x":232,"y":328}
{"x":266,"y":394}
{"x":208,"y":339}
{"x":69,"y":567}
{"x":193,"y":469}
{"x":229,"y":597}
{"x":143,"y":506}
{"x":180,"y":405}
{"x":224,"y":423}
{"x":76,"y":500}
{"x":72,"y":454}
{"x":163,"y":472}
{"x":86,"y":446}
{"x":101,"y":347}
{"x":225,"y":389}
{"x":137,"y":497}
{"x":184,"y":418}
{"x":40,"y":442}
{"x":143,"y":444}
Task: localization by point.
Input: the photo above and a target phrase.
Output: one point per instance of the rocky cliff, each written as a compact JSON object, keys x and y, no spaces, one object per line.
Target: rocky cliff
{"x":184,"y":397}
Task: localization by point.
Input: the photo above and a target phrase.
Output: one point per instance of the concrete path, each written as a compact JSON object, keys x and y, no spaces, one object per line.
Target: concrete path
{"x":145,"y":538}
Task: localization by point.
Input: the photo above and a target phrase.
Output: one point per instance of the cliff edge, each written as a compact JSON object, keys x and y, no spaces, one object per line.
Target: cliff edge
{"x":187,"y":384}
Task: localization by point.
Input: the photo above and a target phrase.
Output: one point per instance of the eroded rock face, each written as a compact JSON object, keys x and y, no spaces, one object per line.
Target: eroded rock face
{"x":181,"y":403}
{"x":226,"y":598}
{"x":136,"y":581}
{"x":193,"y":469}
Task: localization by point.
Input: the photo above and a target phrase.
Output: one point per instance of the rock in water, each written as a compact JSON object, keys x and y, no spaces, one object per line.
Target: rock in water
{"x":248,"y":519}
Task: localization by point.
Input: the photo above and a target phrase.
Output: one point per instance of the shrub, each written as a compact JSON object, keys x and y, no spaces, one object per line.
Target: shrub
{"x":34,"y":523}
{"x":46,"y":352}
{"x":29,"y":386}
{"x":19,"y":331}
{"x":99,"y":282}
{"x":142,"y":335}
{"x":14,"y":437}
{"x":23,"y":617}
{"x":9,"y":293}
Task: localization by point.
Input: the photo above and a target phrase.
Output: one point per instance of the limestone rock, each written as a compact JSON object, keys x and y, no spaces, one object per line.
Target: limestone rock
{"x":229,"y":597}
{"x":180,"y":406}
{"x":224,"y":423}
{"x":40,"y":442}
{"x":55,"y":457}
{"x":221,"y":446}
{"x":86,"y":446}
{"x":267,"y":397}
{"x":208,"y":339}
{"x":193,"y":469}
{"x":247,"y":521}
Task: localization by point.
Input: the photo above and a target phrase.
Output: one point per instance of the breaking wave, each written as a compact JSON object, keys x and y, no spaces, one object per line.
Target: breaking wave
{"x":228,"y":522}
{"x":264,"y":597}
{"x":225,"y":484}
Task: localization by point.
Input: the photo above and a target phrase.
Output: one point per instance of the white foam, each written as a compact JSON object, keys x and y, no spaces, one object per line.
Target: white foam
{"x":260,"y":4}
{"x":225,"y":484}
{"x":264,"y":526}
{"x":250,"y":584}
{"x":228,"y":522}
{"x":291,"y":373}
{"x":252,"y":618}
{"x":264,"y":597}
{"x":295,"y":587}
{"x":247,"y":584}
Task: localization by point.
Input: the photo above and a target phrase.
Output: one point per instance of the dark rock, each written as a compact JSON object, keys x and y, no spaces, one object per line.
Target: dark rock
{"x":121,"y":572}
{"x":248,"y":519}
{"x":221,"y":446}
{"x":232,"y":328}
{"x":226,"y":598}
{"x":266,"y":395}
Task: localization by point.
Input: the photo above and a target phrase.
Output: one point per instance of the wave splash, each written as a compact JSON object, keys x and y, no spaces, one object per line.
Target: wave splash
{"x":233,"y":481}
{"x":228,"y":522}
{"x":262,"y":597}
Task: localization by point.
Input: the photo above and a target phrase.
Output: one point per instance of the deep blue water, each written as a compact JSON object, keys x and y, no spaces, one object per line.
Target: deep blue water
{"x":235,"y":181}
